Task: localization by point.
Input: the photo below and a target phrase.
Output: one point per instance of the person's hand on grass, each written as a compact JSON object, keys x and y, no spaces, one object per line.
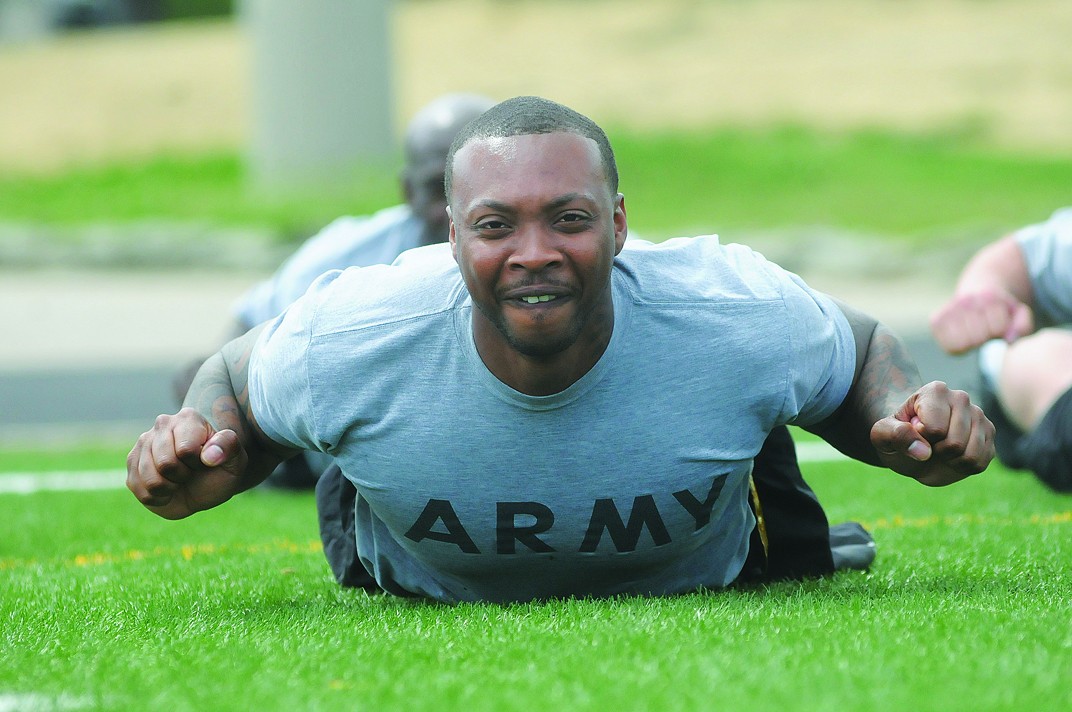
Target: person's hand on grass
{"x":938,"y":436}
{"x":183,"y":465}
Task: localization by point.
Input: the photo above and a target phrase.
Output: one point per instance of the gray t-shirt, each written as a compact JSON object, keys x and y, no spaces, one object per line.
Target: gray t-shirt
{"x":632,"y":480}
{"x":1047,"y":249}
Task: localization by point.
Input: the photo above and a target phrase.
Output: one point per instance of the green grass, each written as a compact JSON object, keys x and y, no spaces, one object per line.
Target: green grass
{"x":918,"y":188}
{"x":74,"y":456}
{"x":103,"y":606}
{"x":107,"y":607}
{"x":207,"y":189}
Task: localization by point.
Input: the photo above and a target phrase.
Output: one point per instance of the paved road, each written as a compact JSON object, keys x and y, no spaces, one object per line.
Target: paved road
{"x":93,"y":353}
{"x":90,"y":353}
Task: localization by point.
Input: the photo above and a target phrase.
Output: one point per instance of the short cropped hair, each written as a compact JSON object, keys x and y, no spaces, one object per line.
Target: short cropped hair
{"x":527,"y":115}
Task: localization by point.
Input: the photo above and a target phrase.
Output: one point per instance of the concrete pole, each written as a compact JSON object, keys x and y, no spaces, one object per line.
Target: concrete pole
{"x":321,"y":99}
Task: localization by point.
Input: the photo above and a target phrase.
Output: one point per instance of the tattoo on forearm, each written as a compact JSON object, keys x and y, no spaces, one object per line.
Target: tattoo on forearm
{"x":219,"y":391}
{"x":889,"y":375}
{"x":885,"y":378}
{"x":211,"y":395}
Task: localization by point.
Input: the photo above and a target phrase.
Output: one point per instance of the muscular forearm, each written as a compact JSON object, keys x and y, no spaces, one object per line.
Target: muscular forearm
{"x":885,"y":376}
{"x":219,"y":392}
{"x":890,"y":419}
{"x":210,"y":450}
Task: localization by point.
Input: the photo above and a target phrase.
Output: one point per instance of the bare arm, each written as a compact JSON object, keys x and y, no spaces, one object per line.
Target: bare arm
{"x":890,"y":419}
{"x":220,"y":394}
{"x":210,"y":450}
{"x":999,"y":265}
{"x":885,"y":376}
{"x":993,"y":299}
{"x":180,"y":382}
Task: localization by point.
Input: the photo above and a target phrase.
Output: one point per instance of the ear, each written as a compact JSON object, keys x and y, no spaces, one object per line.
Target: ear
{"x":452,"y":236}
{"x":621,"y":227}
{"x":407,"y":187}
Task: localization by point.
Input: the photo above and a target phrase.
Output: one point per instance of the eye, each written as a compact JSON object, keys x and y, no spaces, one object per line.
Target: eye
{"x":491,"y":227}
{"x":574,"y":221}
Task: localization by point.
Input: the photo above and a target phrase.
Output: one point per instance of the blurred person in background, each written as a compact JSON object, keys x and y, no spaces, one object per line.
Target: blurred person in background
{"x":1013,"y":302}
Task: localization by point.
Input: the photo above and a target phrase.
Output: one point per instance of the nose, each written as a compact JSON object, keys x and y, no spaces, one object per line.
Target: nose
{"x":535,"y":249}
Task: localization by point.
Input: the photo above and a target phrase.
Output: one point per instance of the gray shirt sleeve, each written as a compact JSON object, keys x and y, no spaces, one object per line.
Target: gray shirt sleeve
{"x":1047,"y":249}
{"x":346,"y":242}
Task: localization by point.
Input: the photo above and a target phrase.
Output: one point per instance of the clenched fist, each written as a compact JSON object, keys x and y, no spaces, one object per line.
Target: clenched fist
{"x":183,"y":465}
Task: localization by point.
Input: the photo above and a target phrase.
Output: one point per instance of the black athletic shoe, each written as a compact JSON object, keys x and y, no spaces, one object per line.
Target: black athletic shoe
{"x":852,"y":547}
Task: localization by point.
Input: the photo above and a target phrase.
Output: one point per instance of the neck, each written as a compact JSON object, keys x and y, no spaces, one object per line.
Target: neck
{"x":543,"y":375}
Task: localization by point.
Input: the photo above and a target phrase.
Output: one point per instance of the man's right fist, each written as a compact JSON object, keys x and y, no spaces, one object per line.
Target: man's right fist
{"x":183,"y":465}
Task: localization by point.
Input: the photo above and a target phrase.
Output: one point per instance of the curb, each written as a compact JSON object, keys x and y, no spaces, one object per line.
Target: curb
{"x":143,"y":244}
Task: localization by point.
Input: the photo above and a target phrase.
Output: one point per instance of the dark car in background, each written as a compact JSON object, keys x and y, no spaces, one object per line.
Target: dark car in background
{"x":70,"y":14}
{"x":22,"y":19}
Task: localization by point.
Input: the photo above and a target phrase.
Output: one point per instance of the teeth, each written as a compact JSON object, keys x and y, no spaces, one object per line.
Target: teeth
{"x":537,"y":300}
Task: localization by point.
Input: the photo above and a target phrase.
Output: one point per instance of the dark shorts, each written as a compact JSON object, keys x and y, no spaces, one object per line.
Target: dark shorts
{"x":1047,"y":451}
{"x":796,"y":528}
{"x":796,"y":531}
{"x":335,"y":500}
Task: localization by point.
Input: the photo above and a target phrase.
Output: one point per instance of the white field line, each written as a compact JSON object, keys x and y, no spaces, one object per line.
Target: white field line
{"x":818,"y":451}
{"x":71,"y":481}
{"x":33,"y":702}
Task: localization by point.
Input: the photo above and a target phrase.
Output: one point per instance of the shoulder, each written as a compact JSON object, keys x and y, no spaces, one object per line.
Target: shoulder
{"x":1058,"y":227}
{"x":1048,"y":245}
{"x":1061,"y":220}
{"x":730,"y":283}
{"x":698,"y":268}
{"x":370,"y":239}
{"x":1047,"y":252}
{"x":421,"y":284}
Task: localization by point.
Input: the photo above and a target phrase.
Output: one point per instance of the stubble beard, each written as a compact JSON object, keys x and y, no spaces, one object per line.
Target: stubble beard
{"x":539,"y":349}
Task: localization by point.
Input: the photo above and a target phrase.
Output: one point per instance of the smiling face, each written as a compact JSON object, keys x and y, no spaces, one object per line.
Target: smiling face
{"x":534,"y":229}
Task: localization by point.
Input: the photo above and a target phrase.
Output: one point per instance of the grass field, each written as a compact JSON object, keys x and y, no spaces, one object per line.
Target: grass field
{"x":923,"y":123}
{"x":966,"y":608}
{"x":926,"y":190}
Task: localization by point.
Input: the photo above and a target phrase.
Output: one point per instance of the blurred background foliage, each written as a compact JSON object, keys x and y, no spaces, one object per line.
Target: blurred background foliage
{"x":921,"y":189}
{"x":926,"y":183}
